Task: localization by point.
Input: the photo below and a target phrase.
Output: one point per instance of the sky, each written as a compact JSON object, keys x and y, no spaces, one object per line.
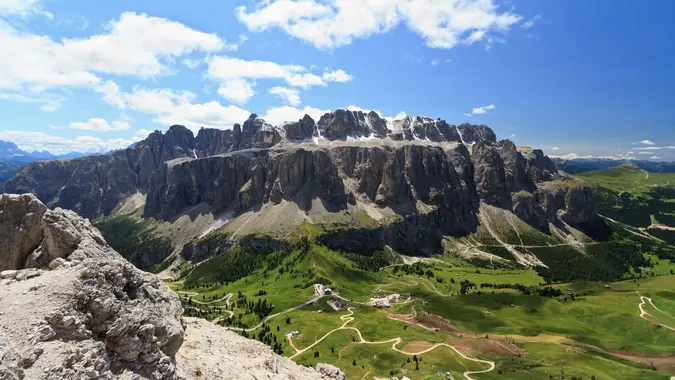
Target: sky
{"x":575,"y":78}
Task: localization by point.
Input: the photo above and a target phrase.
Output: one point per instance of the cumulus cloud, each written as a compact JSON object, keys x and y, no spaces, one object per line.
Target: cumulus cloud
{"x":280,"y":115}
{"x":288,"y":95}
{"x":143,"y":133}
{"x":555,"y":148}
{"x":171,"y":107}
{"x":222,"y":69}
{"x":339,"y":76}
{"x":236,"y":90}
{"x":236,"y":76}
{"x":100,"y":125}
{"x":38,"y":141}
{"x":135,"y":44}
{"x":655,"y":158}
{"x":647,"y":142}
{"x":481,"y":110}
{"x":334,"y":23}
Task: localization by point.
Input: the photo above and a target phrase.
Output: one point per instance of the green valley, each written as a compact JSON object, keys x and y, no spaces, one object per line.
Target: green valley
{"x":453,"y":314}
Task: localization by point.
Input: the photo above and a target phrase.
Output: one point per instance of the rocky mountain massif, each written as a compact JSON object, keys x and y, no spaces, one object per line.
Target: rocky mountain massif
{"x":411,"y":181}
{"x":72,"y":308}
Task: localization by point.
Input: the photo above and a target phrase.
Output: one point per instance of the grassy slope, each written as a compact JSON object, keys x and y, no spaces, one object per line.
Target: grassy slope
{"x":607,"y":319}
{"x":626,"y":178}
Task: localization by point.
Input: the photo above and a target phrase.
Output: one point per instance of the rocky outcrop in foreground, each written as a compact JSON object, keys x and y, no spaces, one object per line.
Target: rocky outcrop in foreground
{"x":72,"y":308}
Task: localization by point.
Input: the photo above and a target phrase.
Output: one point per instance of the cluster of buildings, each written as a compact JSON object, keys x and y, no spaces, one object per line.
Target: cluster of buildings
{"x":337,"y":304}
{"x":321,"y":291}
{"x":384,"y":301}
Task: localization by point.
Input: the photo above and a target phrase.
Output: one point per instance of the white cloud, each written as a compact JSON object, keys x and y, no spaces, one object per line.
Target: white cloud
{"x":655,"y":158}
{"x":135,"y":44}
{"x":100,"y":125}
{"x":38,"y":141}
{"x":530,"y":23}
{"x":647,"y":142}
{"x":574,"y":156}
{"x":645,"y":153}
{"x":236,"y":90}
{"x":334,"y":23}
{"x":288,"y":95}
{"x":171,"y":107}
{"x":50,"y":102}
{"x":191,"y":63}
{"x":279,"y":115}
{"x":235,"y":76}
{"x":656,"y":147}
{"x":306,"y":80}
{"x":481,"y":110}
{"x":339,"y":76}
{"x":143,"y":133}
{"x":555,"y":148}
{"x":227,"y":68}
{"x":22,"y":8}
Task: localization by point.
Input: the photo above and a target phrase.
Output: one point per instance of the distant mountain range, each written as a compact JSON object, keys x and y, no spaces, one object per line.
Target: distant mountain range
{"x":10,"y":152}
{"x":581,"y":165}
{"x":12,"y":158}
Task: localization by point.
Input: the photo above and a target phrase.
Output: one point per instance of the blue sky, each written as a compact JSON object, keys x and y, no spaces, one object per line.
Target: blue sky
{"x":570,"y":77}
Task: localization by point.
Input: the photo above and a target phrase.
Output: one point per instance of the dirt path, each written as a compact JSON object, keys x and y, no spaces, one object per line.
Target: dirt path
{"x":226,"y":298}
{"x":644,"y":315}
{"x":347,"y":318}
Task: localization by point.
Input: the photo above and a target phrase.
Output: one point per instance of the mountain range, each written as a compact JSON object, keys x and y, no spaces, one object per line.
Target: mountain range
{"x":372,"y":183}
{"x":12,"y":158}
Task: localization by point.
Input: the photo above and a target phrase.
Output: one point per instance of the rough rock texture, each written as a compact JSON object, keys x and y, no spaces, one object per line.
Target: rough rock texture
{"x":93,"y":186}
{"x":490,"y":175}
{"x":422,"y":128}
{"x":396,"y":177}
{"x":421,"y":178}
{"x":474,"y":133}
{"x":527,"y":208}
{"x":93,"y":315}
{"x":35,"y":237}
{"x":301,"y":130}
{"x":218,"y":354}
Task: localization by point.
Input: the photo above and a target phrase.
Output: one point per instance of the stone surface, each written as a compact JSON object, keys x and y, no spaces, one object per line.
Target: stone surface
{"x":93,"y":186}
{"x":101,"y":318}
{"x":34,"y":236}
{"x":219,"y":354}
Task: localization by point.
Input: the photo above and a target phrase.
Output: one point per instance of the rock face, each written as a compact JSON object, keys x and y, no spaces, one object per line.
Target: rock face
{"x":225,"y":355}
{"x":35,"y":237}
{"x":93,"y":315}
{"x":93,"y":186}
{"x":430,"y":175}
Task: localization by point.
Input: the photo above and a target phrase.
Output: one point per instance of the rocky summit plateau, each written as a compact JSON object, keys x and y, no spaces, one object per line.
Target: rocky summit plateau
{"x":369,"y":182}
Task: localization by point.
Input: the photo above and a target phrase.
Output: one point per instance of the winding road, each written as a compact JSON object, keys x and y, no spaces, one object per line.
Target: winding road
{"x":347,"y":318}
{"x":643,"y":314}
